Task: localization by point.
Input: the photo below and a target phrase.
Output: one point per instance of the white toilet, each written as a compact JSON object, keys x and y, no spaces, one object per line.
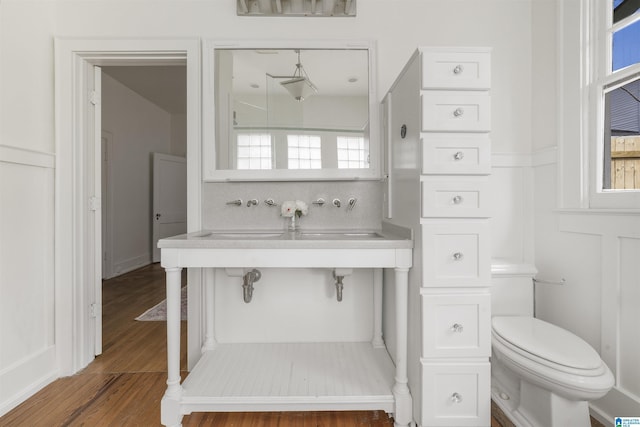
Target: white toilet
{"x":541,"y":375}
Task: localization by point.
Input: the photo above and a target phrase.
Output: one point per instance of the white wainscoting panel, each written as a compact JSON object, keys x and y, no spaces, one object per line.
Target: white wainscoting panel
{"x":511,"y":211}
{"x":27,"y":353}
{"x":597,"y":253}
{"x":628,"y":371}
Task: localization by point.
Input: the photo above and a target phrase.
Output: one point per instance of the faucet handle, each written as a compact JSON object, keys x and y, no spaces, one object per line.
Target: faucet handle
{"x":270,"y":202}
{"x":319,"y":202}
{"x":237,"y":202}
{"x":351,"y":203}
{"x":253,"y":202}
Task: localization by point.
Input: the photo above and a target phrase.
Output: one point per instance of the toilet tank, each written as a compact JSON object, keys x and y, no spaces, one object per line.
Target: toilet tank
{"x":511,"y":288}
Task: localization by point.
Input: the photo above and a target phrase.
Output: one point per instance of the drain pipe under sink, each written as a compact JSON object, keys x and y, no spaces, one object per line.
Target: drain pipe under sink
{"x":338,"y":275}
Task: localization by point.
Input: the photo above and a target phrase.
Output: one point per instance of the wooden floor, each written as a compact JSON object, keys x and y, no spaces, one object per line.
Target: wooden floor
{"x":124,"y":385}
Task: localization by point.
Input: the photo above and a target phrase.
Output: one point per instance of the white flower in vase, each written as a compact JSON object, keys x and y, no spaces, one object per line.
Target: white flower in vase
{"x":293,"y":209}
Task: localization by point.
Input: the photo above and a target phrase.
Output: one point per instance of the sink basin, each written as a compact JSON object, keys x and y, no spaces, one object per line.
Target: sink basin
{"x":341,"y":235}
{"x":309,"y":235}
{"x":241,"y":235}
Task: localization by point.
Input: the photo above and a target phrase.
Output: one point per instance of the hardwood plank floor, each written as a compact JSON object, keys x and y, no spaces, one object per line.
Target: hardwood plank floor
{"x":124,"y":385}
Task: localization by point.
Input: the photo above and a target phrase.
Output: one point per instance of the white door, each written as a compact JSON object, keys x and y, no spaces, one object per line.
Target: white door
{"x":169,"y":198}
{"x":95,"y":207}
{"x":107,"y":216}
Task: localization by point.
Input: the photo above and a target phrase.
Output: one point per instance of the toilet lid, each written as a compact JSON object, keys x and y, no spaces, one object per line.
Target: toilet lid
{"x":546,"y":341}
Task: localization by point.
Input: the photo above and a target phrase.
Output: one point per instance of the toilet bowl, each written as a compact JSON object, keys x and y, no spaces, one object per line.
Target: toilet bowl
{"x":543,"y":375}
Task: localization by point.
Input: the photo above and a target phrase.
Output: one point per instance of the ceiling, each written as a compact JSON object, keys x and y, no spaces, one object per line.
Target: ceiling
{"x":334,"y":72}
{"x":165,"y":86}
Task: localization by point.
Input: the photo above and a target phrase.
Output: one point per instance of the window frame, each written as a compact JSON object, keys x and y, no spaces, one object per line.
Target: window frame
{"x":600,"y":79}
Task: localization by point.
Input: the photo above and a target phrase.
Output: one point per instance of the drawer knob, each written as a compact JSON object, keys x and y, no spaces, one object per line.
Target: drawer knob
{"x":457,"y":200}
{"x":457,"y":327}
{"x":458,"y":256}
{"x":456,"y":398}
{"x":458,"y":156}
{"x":458,"y":69}
{"x":458,"y":112}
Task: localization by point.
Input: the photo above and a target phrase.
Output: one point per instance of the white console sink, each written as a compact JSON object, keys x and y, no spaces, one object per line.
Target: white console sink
{"x":381,"y":386}
{"x":387,"y":238}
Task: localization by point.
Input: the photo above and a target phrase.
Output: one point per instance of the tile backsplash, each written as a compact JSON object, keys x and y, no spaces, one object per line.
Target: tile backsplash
{"x":367,"y":213}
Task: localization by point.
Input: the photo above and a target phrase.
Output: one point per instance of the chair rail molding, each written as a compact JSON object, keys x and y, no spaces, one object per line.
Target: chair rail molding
{"x":26,"y":157}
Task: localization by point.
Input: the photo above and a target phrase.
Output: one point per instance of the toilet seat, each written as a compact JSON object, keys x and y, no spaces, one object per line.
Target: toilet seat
{"x":547,"y":344}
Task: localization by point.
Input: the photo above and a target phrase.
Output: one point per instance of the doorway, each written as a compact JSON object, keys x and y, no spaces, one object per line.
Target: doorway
{"x":78,"y":168}
{"x":143,"y":120}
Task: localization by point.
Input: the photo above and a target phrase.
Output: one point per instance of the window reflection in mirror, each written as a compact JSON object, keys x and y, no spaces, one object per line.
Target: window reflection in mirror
{"x":292,"y":109}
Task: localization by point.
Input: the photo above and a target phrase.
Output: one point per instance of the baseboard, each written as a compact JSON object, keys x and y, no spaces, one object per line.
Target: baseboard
{"x":599,"y":417}
{"x":131,"y":264}
{"x":20,"y":378}
{"x":616,"y":403}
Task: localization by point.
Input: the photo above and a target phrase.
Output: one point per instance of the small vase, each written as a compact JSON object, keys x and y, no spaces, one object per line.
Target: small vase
{"x":292,"y":224}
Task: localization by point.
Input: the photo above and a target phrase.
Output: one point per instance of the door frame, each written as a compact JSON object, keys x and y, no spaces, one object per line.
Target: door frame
{"x":76,"y":173}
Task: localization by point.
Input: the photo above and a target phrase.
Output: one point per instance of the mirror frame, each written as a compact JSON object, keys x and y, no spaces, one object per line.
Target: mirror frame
{"x":209,"y":168}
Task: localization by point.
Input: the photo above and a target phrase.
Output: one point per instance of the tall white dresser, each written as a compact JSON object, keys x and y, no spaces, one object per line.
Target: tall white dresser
{"x":437,"y":124}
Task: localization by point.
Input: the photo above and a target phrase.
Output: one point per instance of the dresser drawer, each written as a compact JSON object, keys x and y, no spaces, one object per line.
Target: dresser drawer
{"x":455,"y":197}
{"x":455,"y":253}
{"x":456,"y":111}
{"x":456,"y":325}
{"x":468,"y":154}
{"x":456,"y":70}
{"x":456,"y":394}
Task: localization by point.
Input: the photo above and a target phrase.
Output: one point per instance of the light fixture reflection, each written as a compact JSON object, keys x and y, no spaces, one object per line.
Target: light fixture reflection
{"x":299,"y":85}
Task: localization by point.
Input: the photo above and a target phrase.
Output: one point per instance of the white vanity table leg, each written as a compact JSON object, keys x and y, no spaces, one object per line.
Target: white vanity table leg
{"x":403,"y":414}
{"x":377,"y":341}
{"x":170,"y":406}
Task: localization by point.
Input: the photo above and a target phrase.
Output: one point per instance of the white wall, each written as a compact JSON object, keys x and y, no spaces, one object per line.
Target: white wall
{"x":27,"y":104}
{"x":138,"y":128}
{"x":179,"y":134}
{"x":27,"y":342}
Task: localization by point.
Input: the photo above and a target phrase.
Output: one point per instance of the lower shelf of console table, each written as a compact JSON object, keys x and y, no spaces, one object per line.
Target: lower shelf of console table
{"x":290,"y":377}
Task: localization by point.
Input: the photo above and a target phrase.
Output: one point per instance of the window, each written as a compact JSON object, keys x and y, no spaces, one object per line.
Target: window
{"x":254,"y":151}
{"x":304,"y":152}
{"x":621,"y":156}
{"x":615,"y":89}
{"x":352,"y":152}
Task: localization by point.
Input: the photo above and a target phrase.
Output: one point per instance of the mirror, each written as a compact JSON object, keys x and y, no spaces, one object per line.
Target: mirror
{"x":290,"y":113}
